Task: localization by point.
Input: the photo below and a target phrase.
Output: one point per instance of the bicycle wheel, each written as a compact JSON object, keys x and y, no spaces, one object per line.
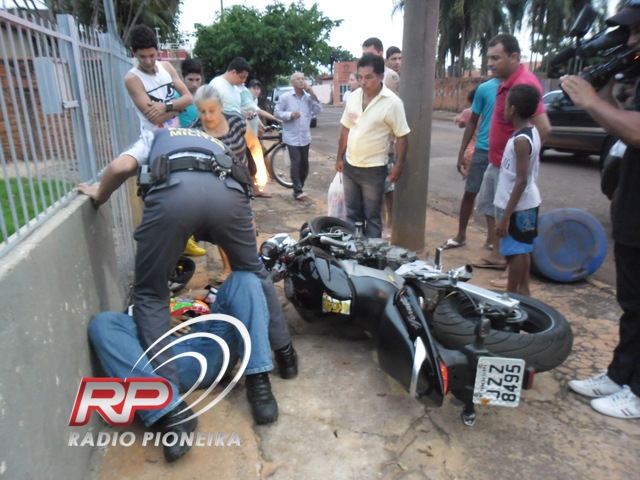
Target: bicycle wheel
{"x":280,"y":164}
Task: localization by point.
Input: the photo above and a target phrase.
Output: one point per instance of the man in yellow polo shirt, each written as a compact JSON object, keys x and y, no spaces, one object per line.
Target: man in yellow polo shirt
{"x":373,"y":114}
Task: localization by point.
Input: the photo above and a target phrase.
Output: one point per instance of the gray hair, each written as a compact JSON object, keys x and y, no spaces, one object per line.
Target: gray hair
{"x":294,"y":74}
{"x":207,"y":92}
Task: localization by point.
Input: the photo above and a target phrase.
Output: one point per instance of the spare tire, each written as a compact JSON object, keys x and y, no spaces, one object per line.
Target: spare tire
{"x":571,"y":245}
{"x":544,"y":341}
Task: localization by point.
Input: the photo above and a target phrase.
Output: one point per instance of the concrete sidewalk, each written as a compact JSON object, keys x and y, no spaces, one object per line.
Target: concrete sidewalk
{"x":343,"y":418}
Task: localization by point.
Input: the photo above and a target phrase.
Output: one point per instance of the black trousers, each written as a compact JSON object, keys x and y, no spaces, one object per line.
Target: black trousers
{"x":213,"y":210}
{"x":299,"y":166}
{"x":625,"y":366}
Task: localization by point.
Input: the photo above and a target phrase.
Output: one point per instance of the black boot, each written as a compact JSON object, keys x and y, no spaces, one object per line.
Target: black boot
{"x":166,"y":425}
{"x":287,"y":360}
{"x":263,"y":404}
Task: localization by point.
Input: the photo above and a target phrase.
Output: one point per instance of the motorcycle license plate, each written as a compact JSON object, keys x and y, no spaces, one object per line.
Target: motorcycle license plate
{"x":333,"y":305}
{"x":498,"y":381}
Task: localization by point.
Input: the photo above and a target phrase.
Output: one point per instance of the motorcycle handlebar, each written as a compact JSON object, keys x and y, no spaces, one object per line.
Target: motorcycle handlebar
{"x":331,"y":241}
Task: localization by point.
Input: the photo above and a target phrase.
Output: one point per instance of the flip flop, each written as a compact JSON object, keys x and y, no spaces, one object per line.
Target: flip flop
{"x":451,"y":243}
{"x":488,"y":246}
{"x":500,"y":282}
{"x":484,"y":263}
{"x":263,"y":195}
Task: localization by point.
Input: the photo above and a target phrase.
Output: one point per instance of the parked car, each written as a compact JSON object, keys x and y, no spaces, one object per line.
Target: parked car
{"x":573,"y":130}
{"x":274,"y":95}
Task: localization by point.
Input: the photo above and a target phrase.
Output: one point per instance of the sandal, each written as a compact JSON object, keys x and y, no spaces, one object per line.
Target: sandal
{"x":485,"y":263}
{"x":500,"y":282}
{"x":451,"y":243}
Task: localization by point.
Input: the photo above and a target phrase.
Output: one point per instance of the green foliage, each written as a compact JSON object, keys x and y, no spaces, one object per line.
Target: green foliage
{"x":38,"y":199}
{"x":278,"y":41}
{"x":338,"y":54}
{"x":154,"y":13}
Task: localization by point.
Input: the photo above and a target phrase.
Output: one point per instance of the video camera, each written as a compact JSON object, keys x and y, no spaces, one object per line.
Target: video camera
{"x":610,"y":45}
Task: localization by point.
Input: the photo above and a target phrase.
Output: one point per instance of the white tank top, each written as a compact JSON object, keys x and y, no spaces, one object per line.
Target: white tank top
{"x":160,"y":88}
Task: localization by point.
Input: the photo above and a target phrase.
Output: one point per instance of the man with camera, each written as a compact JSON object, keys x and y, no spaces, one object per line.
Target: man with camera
{"x":616,"y":391}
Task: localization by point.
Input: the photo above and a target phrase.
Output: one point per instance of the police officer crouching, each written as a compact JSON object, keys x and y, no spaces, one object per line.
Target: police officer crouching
{"x":192,"y":185}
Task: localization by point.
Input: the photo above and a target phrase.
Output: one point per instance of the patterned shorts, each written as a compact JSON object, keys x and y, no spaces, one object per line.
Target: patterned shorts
{"x":523,"y":229}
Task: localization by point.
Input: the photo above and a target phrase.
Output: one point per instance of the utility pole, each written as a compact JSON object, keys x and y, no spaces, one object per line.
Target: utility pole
{"x":221,"y":9}
{"x":110,"y":15}
{"x":416,"y":90}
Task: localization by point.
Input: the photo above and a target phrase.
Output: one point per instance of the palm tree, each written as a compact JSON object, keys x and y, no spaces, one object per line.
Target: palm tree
{"x":468,"y":24}
{"x":463,"y":26}
{"x":154,"y":13}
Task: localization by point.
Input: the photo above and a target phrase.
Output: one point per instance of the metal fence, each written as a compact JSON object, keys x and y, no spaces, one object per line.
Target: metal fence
{"x":66,"y":115}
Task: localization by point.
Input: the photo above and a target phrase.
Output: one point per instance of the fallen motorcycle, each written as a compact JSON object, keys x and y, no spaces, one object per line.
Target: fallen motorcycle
{"x":435,"y":332}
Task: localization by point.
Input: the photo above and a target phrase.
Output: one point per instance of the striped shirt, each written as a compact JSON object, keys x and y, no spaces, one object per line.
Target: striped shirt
{"x":234,"y":138}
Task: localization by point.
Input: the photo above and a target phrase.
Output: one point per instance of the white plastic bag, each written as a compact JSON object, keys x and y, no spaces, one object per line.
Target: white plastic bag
{"x":335,"y":198}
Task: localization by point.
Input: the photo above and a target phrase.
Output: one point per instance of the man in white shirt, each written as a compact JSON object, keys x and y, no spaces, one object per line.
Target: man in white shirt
{"x":295,"y":108}
{"x":230,"y":85}
{"x":152,"y":84}
{"x":391,"y":79}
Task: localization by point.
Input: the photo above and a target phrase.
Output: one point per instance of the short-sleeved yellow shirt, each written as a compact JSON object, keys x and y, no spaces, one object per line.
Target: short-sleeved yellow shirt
{"x":370,"y":130}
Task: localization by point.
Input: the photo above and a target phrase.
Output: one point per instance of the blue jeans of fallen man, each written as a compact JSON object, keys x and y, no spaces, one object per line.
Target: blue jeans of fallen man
{"x":363,"y":193}
{"x":115,"y":339}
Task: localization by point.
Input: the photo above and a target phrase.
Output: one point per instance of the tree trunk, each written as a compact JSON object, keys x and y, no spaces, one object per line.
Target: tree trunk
{"x":416,"y":90}
{"x":463,"y":47}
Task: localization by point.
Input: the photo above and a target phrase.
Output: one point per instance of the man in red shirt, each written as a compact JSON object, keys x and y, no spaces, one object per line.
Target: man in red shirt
{"x":504,"y":64}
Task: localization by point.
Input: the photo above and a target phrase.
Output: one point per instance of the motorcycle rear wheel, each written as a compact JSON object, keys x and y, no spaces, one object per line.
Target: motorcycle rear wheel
{"x":544,"y":341}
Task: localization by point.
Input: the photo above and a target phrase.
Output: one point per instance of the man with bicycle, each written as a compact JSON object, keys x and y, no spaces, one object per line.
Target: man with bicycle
{"x":295,"y":108}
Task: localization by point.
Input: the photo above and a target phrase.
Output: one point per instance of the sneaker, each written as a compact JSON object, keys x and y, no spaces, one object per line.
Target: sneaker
{"x":192,"y":249}
{"x":595,"y":387}
{"x":300,"y":196}
{"x":622,"y":404}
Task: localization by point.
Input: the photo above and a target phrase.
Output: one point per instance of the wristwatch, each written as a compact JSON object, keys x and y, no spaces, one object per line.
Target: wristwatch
{"x":169,"y":106}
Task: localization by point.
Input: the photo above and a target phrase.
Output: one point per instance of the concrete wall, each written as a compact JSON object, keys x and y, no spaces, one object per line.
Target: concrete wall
{"x":51,"y":285}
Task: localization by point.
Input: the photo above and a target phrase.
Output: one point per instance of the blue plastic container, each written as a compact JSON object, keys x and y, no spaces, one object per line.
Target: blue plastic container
{"x":570,"y":246}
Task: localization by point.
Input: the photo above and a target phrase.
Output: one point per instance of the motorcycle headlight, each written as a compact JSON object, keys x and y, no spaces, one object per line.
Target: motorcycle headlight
{"x":273,"y":247}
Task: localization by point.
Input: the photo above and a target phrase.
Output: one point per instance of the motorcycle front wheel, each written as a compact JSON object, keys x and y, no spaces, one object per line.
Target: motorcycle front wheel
{"x":544,"y":340}
{"x":326,"y":224}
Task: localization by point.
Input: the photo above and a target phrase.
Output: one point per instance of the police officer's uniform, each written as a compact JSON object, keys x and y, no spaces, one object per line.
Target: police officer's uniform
{"x":190,"y":192}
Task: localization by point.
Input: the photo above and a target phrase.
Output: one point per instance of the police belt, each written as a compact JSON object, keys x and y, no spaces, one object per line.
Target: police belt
{"x":194,"y":164}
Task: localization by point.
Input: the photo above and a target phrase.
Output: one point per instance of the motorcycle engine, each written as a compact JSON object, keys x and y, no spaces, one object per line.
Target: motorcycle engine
{"x":390,"y":255}
{"x":396,"y":256}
